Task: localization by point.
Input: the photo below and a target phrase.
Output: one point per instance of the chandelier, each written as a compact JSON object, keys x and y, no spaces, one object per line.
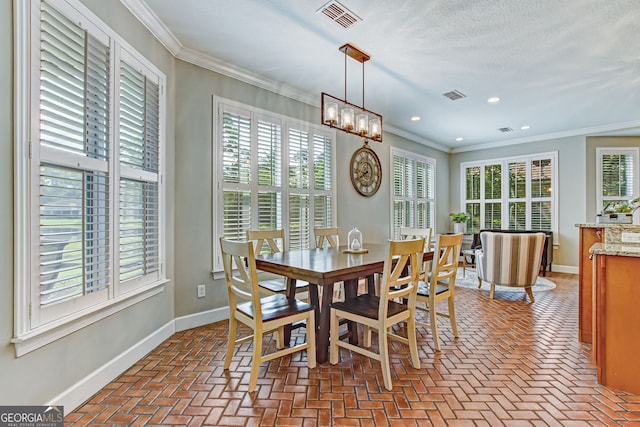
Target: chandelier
{"x":345,"y":116}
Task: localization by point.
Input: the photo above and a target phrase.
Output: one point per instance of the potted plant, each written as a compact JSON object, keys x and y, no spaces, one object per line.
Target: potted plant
{"x":459,"y":221}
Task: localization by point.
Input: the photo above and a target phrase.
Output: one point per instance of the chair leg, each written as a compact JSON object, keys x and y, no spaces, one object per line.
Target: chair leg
{"x":231,"y":340}
{"x":479,"y":283}
{"x":255,"y":362}
{"x":280,"y":344}
{"x":452,"y":317}
{"x":333,"y":337}
{"x":413,"y":342}
{"x":384,"y":358}
{"x":311,"y":340}
{"x":366,"y":336}
{"x":493,"y":288}
{"x":434,"y":325}
{"x":530,"y":293}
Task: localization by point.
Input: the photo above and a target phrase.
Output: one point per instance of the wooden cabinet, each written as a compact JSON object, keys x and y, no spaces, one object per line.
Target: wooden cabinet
{"x":588,"y":236}
{"x":616,"y":338}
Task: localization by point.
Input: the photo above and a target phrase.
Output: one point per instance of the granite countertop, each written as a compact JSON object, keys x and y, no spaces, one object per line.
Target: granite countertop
{"x":615,"y":249}
{"x":607,"y":225}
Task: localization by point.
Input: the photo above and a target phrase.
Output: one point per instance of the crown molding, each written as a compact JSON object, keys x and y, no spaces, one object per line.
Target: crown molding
{"x":149,"y":19}
{"x":213,"y":64}
{"x":545,"y":137}
{"x":415,"y":138}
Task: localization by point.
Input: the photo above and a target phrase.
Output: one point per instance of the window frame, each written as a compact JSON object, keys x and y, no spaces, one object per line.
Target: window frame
{"x":30,"y":332}
{"x":220,"y":105}
{"x":600,"y":153}
{"x":505,"y":200}
{"x":393,"y":232}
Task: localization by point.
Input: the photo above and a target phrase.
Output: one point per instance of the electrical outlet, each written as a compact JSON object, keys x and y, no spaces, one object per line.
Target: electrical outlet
{"x":631,"y":237}
{"x":202,"y":291}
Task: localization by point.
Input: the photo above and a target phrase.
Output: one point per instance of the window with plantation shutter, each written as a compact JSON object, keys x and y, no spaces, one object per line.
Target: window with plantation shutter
{"x":272,"y":172}
{"x":617,"y":177}
{"x":514,"y":193}
{"x":412,"y":191}
{"x":91,"y":176}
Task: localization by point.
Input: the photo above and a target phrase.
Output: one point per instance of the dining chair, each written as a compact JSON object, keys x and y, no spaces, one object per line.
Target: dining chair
{"x":327,"y":237}
{"x":266,"y":241}
{"x":440,"y":283}
{"x":261,"y":314}
{"x":417,"y":233}
{"x":400,"y":279}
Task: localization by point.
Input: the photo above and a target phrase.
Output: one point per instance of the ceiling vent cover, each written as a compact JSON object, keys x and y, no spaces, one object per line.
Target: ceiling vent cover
{"x":455,"y":95}
{"x":339,"y":14}
{"x":507,"y":129}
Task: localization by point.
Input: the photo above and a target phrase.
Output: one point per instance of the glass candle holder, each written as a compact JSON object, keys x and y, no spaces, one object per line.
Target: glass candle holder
{"x":355,"y":239}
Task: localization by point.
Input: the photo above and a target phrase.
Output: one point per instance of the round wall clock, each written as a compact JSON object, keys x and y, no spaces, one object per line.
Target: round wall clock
{"x":366,"y":172}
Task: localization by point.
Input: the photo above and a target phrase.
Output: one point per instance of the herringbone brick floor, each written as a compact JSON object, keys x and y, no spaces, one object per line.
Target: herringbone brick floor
{"x":514,"y":364}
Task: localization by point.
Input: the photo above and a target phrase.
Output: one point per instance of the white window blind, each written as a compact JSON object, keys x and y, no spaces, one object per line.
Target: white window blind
{"x":91,"y":179}
{"x":274,"y":173}
{"x":139,"y":152}
{"x":617,"y":178}
{"x":515,"y":193}
{"x":412,"y":191}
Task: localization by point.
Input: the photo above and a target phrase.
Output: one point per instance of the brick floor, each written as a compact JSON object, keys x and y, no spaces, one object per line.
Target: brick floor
{"x":515,"y":364}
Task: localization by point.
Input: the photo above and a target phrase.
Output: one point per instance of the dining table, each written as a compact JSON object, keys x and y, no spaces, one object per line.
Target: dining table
{"x":322,"y":268}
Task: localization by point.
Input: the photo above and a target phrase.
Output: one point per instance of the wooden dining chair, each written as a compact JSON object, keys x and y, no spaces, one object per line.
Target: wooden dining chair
{"x":266,"y":241}
{"x":327,"y":237}
{"x":417,"y":233}
{"x":261,"y":314}
{"x":440,"y":284}
{"x":399,"y":282}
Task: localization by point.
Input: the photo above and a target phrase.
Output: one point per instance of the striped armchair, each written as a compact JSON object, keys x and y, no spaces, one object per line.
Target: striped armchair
{"x":510,"y":259}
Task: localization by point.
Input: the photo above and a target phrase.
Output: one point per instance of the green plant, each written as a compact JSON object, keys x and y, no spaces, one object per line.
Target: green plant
{"x":459,"y":217}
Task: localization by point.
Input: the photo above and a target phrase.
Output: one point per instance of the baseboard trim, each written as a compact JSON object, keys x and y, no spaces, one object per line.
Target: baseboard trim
{"x":571,"y":269}
{"x":200,"y":319}
{"x":78,"y":393}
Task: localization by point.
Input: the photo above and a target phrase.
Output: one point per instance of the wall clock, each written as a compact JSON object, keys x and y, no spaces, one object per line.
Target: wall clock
{"x":366,"y":172}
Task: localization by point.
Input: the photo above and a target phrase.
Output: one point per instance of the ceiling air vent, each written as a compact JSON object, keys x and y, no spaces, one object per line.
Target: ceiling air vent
{"x":339,"y":14}
{"x":454,"y":95}
{"x":507,"y":129}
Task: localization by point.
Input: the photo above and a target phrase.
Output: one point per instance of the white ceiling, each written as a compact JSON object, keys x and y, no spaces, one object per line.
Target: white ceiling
{"x":563,"y":67}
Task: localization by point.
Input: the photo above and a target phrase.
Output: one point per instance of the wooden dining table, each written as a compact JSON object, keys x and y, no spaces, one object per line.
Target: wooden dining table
{"x":322,"y":268}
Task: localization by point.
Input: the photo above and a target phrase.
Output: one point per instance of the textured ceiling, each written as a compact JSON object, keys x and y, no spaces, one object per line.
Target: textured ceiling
{"x":562,"y":67}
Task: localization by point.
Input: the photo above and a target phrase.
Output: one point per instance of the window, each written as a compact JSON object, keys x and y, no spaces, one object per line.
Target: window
{"x":92,"y":173}
{"x":272,"y":172}
{"x":413,"y":191}
{"x":617,"y":179}
{"x":514,"y":194}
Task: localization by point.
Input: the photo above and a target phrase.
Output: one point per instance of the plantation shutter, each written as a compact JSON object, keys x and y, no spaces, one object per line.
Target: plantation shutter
{"x":617,"y":177}
{"x":541,"y":184}
{"x":322,"y":182}
{"x":73,"y":155}
{"x":139,"y":164}
{"x":269,"y":152}
{"x":236,"y":174}
{"x":299,"y":202}
{"x":413,"y":192}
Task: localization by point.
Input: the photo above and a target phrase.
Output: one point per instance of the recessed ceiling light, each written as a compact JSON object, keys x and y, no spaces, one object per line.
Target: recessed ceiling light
{"x":415,"y":118}
{"x":525,"y":127}
{"x":493,"y":100}
{"x":459,"y":139}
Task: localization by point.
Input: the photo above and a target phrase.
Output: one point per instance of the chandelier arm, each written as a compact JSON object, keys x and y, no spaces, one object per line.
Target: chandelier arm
{"x":345,"y":76}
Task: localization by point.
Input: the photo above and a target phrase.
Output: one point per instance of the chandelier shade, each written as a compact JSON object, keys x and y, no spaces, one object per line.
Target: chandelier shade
{"x":346,"y":116}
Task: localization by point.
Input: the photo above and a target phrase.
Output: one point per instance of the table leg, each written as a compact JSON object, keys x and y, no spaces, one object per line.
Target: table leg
{"x":322,"y":339}
{"x":351,"y":291}
{"x":291,"y":293}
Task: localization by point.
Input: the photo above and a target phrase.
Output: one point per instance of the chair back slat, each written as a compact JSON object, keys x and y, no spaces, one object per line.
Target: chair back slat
{"x":401,"y":273}
{"x":269,"y":237}
{"x":417,"y":233}
{"x":238,"y":260}
{"x":328,"y":235}
{"x":445,"y":259}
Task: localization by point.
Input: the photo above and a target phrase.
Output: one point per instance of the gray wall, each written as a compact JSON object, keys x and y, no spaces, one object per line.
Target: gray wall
{"x":48,"y":371}
{"x":194,"y":162}
{"x":571,"y":186}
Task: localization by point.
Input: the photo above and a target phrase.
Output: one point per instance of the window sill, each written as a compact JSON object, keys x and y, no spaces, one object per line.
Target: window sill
{"x":50,"y":332}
